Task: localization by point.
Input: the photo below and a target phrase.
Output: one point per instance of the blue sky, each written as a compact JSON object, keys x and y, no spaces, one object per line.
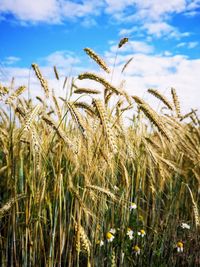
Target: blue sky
{"x":164,"y":39}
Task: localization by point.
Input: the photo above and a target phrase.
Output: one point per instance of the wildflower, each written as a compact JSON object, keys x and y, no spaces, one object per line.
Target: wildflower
{"x":136,"y":249}
{"x":101,"y":243}
{"x":142,"y":233}
{"x":112,"y":231}
{"x":185,"y":226}
{"x":130,"y":233}
{"x":179,"y":246}
{"x":133,"y":206}
{"x":116,"y":188}
{"x":110,"y":237}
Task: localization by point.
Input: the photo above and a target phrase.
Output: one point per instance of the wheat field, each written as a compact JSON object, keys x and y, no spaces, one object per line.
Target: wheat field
{"x":81,"y":187}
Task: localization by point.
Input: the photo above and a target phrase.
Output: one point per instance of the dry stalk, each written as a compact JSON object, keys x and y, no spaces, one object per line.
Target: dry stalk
{"x":97,"y":59}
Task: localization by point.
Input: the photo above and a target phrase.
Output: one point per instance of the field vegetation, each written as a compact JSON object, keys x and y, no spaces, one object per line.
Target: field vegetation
{"x":79,"y":186}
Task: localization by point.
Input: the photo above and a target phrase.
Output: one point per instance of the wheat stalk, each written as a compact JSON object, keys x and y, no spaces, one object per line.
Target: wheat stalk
{"x":97,"y":59}
{"x":106,"y":125}
{"x":176,"y":103}
{"x":30,"y":117}
{"x":18,"y":92}
{"x":195,"y":208}
{"x":160,"y":97}
{"x":85,"y":106}
{"x":58,"y":110}
{"x":122,"y":42}
{"x":139,"y":100}
{"x":43,"y":81}
{"x":56,"y":72}
{"x":6,"y":207}
{"x":77,"y":117}
{"x":154,"y":118}
{"x":86,"y":91}
{"x":102,"y":190}
{"x":3,"y":91}
{"x":126,"y":64}
{"x":97,"y":78}
{"x":84,"y":240}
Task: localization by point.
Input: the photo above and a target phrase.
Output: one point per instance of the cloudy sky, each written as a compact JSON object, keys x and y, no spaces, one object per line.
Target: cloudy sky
{"x":164,"y":41}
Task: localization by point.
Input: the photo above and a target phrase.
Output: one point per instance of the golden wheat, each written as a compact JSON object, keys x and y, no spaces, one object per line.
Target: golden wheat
{"x":161,"y":97}
{"x":106,"y":125}
{"x":97,"y":78}
{"x":97,"y":59}
{"x":43,"y":81}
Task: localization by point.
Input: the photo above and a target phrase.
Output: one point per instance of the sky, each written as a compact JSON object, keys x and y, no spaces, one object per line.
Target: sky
{"x":164,"y":41}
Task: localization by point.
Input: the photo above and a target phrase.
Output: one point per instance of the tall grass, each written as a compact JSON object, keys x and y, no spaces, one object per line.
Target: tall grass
{"x":70,"y":172}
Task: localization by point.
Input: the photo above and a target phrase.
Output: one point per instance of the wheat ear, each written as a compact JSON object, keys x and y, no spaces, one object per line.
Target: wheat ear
{"x":154,"y":118}
{"x":85,"y":106}
{"x":3,"y":91}
{"x":106,"y":125}
{"x":97,"y":78}
{"x":86,"y":91}
{"x":77,"y":117}
{"x":97,"y":59}
{"x":122,"y":42}
{"x":30,"y":117}
{"x":160,"y":97}
{"x":176,"y":102}
{"x":82,"y":238}
{"x":195,"y":208}
{"x":43,"y":81}
{"x":13,"y":96}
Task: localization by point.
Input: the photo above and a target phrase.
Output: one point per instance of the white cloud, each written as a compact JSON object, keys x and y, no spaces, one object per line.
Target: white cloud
{"x":193,"y":6}
{"x":192,"y":45}
{"x":182,"y":44}
{"x":163,"y":29}
{"x":167,"y":53}
{"x":159,"y":29}
{"x":155,"y":10}
{"x":188,"y":45}
{"x":145,"y":9}
{"x":145,"y":71}
{"x":126,"y":32}
{"x":35,"y":11}
{"x":56,"y":11}
{"x":132,"y":47}
{"x":49,"y":11}
{"x":63,"y":59}
{"x":161,"y":72}
{"x":151,"y":15}
{"x":11,"y":60}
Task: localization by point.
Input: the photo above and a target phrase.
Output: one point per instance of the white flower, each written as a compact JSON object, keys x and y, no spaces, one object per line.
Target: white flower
{"x":179,"y":247}
{"x":142,"y":233}
{"x":130,"y":233}
{"x":185,"y":226}
{"x":136,"y":249}
{"x":116,"y":188}
{"x":109,"y":237}
{"x":112,"y":231}
{"x":133,"y":206}
{"x":101,"y":243}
